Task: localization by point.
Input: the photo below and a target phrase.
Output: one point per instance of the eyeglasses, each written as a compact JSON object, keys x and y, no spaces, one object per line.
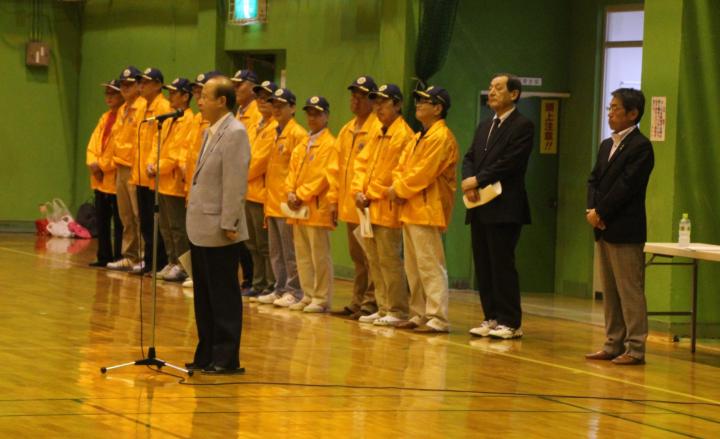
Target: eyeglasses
{"x":614,"y":108}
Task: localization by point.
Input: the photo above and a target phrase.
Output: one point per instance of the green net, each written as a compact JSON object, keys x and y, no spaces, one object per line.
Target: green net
{"x":437,"y":19}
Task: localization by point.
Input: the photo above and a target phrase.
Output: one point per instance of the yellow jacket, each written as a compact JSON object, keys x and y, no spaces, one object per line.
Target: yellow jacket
{"x":348,"y":144}
{"x":277,"y":169}
{"x":148,"y":141}
{"x":173,"y":152}
{"x":250,"y":117}
{"x":125,"y":139}
{"x":195,"y":138}
{"x":262,"y":140}
{"x":373,"y":171}
{"x":307,"y":177}
{"x":425,"y":177}
{"x":102,"y":154}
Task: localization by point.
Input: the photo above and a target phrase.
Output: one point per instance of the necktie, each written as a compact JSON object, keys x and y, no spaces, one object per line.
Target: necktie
{"x":493,"y":131}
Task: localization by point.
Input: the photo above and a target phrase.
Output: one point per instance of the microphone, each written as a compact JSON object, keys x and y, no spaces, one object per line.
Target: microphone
{"x":161,"y":117}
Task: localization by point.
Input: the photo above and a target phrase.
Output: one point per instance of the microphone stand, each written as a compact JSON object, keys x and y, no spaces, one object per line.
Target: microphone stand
{"x":151,"y":359}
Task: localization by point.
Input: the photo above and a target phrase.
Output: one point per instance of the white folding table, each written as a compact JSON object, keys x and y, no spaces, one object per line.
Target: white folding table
{"x":695,"y":252}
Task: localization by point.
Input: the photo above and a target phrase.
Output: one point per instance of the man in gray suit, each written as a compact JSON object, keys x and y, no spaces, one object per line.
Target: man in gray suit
{"x":216,"y":227}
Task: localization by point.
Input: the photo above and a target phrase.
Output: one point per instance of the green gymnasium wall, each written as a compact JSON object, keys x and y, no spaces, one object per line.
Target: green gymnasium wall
{"x":38,"y":131}
{"x":177,"y":37}
{"x":324,"y":44}
{"x":680,"y":63}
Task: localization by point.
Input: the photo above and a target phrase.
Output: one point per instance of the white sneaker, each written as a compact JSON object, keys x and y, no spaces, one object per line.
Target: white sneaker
{"x":484,"y":329}
{"x":369,"y":318}
{"x":123,"y":264}
{"x":505,"y":332}
{"x":286,"y":300}
{"x":188,"y":283}
{"x":161,"y":274}
{"x":388,"y":320}
{"x":314,"y":308}
{"x":174,"y":274}
{"x":299,"y":306}
{"x":268,"y":298}
{"x":137,"y":268}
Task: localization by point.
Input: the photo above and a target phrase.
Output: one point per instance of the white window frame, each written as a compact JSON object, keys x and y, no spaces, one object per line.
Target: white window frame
{"x":611,"y":44}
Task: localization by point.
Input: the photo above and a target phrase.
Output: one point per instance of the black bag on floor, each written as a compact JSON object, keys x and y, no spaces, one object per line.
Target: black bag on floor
{"x":87,"y":217}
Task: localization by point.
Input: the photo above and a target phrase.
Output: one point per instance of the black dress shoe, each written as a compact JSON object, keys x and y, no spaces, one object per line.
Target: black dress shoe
{"x":193,"y":366}
{"x":345,"y":312}
{"x":219,"y":370}
{"x":98,"y":264}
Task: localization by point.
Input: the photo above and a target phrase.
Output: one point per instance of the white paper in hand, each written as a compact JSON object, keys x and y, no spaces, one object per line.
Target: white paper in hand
{"x":485,"y":195}
{"x":303,"y":213}
{"x":365,"y":226}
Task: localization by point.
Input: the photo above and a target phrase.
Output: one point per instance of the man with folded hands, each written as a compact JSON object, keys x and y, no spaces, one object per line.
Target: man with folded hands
{"x":499,"y":153}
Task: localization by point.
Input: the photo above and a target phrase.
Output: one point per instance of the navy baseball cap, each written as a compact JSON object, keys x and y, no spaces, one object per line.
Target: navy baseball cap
{"x":363,"y":83}
{"x":114,"y":84}
{"x":202,"y":78}
{"x":130,"y":74}
{"x":283,"y":95}
{"x":245,"y":75}
{"x":268,"y":86}
{"x":179,"y":84}
{"x":387,"y":91}
{"x":437,"y":94}
{"x":317,"y":102}
{"x":153,"y":74}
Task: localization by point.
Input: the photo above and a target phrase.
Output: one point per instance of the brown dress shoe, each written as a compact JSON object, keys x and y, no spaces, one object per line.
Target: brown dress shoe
{"x":345,"y":312}
{"x":356,"y":315}
{"x":600,"y":355}
{"x":425,"y":329}
{"x":407,"y":325}
{"x":627,"y":360}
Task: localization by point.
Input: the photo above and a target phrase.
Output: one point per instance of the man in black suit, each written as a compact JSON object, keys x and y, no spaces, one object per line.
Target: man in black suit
{"x":499,"y":152}
{"x":616,"y":211}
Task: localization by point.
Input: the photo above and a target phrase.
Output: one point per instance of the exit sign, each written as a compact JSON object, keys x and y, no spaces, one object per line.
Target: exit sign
{"x":531,"y":82}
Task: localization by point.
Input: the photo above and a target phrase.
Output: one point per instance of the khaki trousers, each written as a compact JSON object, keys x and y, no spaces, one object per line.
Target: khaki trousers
{"x":314,"y":264}
{"x":384,"y":253}
{"x":426,"y":275}
{"x":363,"y":296}
{"x":257,"y":243}
{"x":128,"y":209}
{"x":621,"y":272}
{"x":172,"y":227}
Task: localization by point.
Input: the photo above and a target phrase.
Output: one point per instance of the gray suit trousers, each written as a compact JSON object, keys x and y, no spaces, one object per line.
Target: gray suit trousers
{"x":621,"y":272}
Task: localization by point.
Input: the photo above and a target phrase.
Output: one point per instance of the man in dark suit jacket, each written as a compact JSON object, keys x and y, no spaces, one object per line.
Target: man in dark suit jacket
{"x":616,"y":211}
{"x":216,"y":227}
{"x":499,"y":152}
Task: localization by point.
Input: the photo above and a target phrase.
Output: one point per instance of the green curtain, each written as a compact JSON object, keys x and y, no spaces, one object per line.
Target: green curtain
{"x":437,"y":19}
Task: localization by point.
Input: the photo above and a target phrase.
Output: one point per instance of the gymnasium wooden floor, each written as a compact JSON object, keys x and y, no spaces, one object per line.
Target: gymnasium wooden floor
{"x":320,"y":376}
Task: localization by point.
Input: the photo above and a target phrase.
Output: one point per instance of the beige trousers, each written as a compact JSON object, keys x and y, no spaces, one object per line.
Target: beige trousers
{"x":384,"y":253}
{"x":314,"y":264}
{"x":128,"y":210}
{"x":426,"y":275}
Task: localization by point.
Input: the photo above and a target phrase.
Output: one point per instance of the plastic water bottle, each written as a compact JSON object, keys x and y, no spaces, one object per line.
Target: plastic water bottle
{"x":684,"y":235}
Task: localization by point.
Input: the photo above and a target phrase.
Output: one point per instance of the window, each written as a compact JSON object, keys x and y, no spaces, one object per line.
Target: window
{"x":623,"y":55}
{"x":244,"y":12}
